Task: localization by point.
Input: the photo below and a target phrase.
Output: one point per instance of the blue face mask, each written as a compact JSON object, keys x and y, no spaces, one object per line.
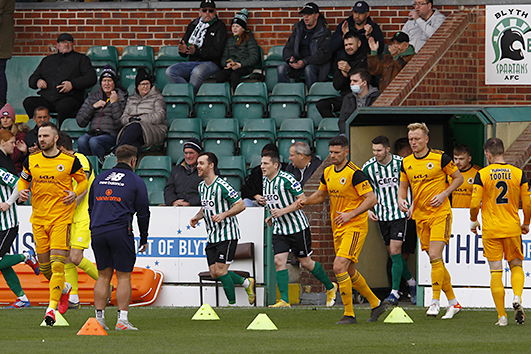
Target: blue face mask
{"x":355,"y":88}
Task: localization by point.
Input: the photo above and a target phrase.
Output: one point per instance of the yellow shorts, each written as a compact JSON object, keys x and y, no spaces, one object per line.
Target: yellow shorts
{"x":80,"y":235}
{"x":494,"y":249}
{"x":438,"y":228}
{"x":348,"y":242}
{"x":51,"y":237}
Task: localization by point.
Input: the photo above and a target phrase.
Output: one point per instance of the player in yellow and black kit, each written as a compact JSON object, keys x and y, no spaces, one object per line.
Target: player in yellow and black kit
{"x":53,"y":197}
{"x":351,"y":195}
{"x":463,"y":161}
{"x":498,"y":190}
{"x":426,"y":172}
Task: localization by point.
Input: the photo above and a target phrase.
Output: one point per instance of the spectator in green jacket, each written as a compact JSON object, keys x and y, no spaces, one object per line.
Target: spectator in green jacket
{"x":241,"y":52}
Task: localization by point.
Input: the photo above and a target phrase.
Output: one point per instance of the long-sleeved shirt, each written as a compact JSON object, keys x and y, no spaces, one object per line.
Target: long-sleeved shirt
{"x":420,"y":30}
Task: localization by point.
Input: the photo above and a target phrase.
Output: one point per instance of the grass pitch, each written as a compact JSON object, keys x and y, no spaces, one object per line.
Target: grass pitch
{"x":300,"y":329}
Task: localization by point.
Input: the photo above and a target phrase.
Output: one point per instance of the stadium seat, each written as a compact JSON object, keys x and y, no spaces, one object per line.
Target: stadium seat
{"x":293,"y":130}
{"x":95,"y":163}
{"x":205,"y":120}
{"x":156,"y":196}
{"x":179,"y":132}
{"x":134,"y":57}
{"x":155,"y":185}
{"x":167,"y":56}
{"x":102,"y":55}
{"x":318,"y":91}
{"x":327,"y":129}
{"x":110,"y":162}
{"x":232,"y":169}
{"x":71,"y":127}
{"x":179,"y":100}
{"x":256,"y":133}
{"x":273,"y":59}
{"x":221,"y":136}
{"x":154,"y":166}
{"x":249,"y":101}
{"x":18,"y":70}
{"x":213,"y":99}
{"x":286,"y":101}
{"x":257,"y":69}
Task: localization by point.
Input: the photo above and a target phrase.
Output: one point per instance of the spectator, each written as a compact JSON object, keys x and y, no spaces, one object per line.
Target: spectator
{"x":303,"y":162}
{"x":402,"y":147}
{"x":361,"y":23}
{"x":62,"y":79}
{"x":102,"y":110}
{"x":203,"y":44}
{"x":241,"y":52}
{"x":423,"y":21}
{"x":362,"y":95}
{"x":144,"y":118}
{"x":19,"y":130}
{"x":181,"y":189}
{"x":462,"y":196}
{"x":252,"y":187}
{"x":347,"y":59}
{"x":307,"y":49}
{"x":41,"y":115}
{"x":387,"y":65}
{"x":7,"y":39}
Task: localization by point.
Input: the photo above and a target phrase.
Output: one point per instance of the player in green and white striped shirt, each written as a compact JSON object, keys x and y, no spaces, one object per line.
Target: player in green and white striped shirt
{"x":220,"y":204}
{"x":291,"y":230}
{"x":9,"y":221}
{"x":383,"y":171}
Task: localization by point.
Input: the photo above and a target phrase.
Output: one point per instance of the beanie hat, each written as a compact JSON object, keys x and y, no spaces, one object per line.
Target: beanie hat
{"x":241,"y":18}
{"x":141,"y":75}
{"x":8,"y":110}
{"x":108,"y":71}
{"x":193,"y":143}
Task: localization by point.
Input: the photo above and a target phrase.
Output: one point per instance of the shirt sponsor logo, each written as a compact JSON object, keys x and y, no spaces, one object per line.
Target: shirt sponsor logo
{"x":388,"y":181}
{"x":208,"y":204}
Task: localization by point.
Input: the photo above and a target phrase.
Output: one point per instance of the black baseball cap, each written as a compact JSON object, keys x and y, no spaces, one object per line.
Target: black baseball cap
{"x":361,"y":7}
{"x":207,"y":4}
{"x":309,"y":8}
{"x":400,"y":37}
{"x":65,"y":37}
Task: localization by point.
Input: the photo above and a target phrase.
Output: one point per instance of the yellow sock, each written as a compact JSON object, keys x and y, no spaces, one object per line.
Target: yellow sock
{"x":57,"y":281}
{"x":359,"y":283}
{"x":498,"y":292}
{"x":46,"y":269}
{"x":437,"y":277}
{"x":447,"y":285}
{"x":517,"y":280}
{"x":89,"y":268}
{"x":71,"y":277}
{"x":345,"y":289}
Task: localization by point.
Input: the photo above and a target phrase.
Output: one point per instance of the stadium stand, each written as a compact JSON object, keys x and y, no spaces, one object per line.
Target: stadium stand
{"x":318,"y":91}
{"x":213,"y":99}
{"x":273,"y":59}
{"x":221,"y":136}
{"x":287,"y":101}
{"x":249,"y":101}
{"x":179,"y":100}
{"x":166,"y":56}
{"x":102,"y":55}
{"x":132,"y":58}
{"x":292,"y":130}
{"x":181,"y":130}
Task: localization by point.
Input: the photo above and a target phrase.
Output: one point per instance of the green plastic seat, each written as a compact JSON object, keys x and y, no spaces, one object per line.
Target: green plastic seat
{"x":249,"y":101}
{"x":71,"y":127}
{"x":232,"y":169}
{"x":154,"y":166}
{"x":95,"y":163}
{"x":133,"y":57}
{"x":272,"y":60}
{"x":102,"y":55}
{"x":256,"y":133}
{"x":287,"y":101}
{"x":179,"y":100}
{"x":328,"y":128}
{"x":167,"y":56}
{"x":221,"y":136}
{"x":18,"y":69}
{"x":318,"y":91}
{"x":156,"y":196}
{"x":213,"y":99}
{"x":155,"y":186}
{"x":293,"y":130}
{"x":205,"y":120}
{"x":110,"y":162}
{"x":180,"y":131}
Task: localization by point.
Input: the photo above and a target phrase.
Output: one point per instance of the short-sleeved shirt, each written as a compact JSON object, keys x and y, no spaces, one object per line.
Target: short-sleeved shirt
{"x":427,"y":177}
{"x":463,"y":194}
{"x":50,"y":177}
{"x":8,"y":182}
{"x":81,"y":213}
{"x":216,"y":198}
{"x":346,"y":188}
{"x":500,"y":188}
{"x":280,"y":192}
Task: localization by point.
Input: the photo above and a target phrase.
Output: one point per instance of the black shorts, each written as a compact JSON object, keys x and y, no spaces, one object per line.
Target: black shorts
{"x":6,"y":239}
{"x":114,"y":249}
{"x":299,"y":243}
{"x":393,"y":230}
{"x":410,"y":244}
{"x":221,"y":252}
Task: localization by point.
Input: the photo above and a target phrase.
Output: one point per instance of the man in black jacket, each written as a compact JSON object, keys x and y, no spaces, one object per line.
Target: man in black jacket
{"x":302,"y":162}
{"x":41,"y":115}
{"x":307,"y":49}
{"x":62,"y":79}
{"x":349,"y":58}
{"x":203,"y":44}
{"x":181,"y":189}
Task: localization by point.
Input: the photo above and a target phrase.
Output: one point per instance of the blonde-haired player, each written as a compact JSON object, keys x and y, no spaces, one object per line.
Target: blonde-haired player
{"x":498,"y":190}
{"x":426,"y":172}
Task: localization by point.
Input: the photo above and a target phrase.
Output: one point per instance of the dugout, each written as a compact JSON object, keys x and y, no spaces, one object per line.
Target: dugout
{"x":449,"y":125}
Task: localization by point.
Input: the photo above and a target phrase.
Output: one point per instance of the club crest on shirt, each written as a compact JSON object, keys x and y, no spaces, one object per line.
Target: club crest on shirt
{"x":429,"y":165}
{"x":60,"y":168}
{"x":343,"y":180}
{"x":470,"y":180}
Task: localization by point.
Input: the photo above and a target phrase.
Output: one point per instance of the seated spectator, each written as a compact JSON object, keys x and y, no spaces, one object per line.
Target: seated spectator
{"x":347,"y":59}
{"x":303,"y":162}
{"x":423,"y":21}
{"x":203,"y":44}
{"x":241,"y":52}
{"x":307,"y":49}
{"x":362,"y":95}
{"x":402,"y":147}
{"x":144,"y":118}
{"x":181,"y":189}
{"x":252,"y":187}
{"x":387,"y":65}
{"x":19,"y":131}
{"x":360,"y":22}
{"x":102,"y":109}
{"x":62,"y":79}
{"x":41,"y":115}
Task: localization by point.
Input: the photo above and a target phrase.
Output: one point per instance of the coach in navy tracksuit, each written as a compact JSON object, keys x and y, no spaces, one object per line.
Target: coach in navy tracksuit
{"x":115,"y":196}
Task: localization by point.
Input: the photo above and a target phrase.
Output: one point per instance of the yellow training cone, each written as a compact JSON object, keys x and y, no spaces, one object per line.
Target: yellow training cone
{"x":205,"y":313}
{"x":398,"y":315}
{"x":262,"y":323}
{"x":59,"y":321}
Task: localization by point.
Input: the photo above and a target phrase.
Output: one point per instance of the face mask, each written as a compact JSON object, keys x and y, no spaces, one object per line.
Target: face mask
{"x":355,"y":88}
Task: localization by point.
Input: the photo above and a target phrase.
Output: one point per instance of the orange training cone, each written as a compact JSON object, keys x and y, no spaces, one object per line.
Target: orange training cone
{"x":92,"y":328}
